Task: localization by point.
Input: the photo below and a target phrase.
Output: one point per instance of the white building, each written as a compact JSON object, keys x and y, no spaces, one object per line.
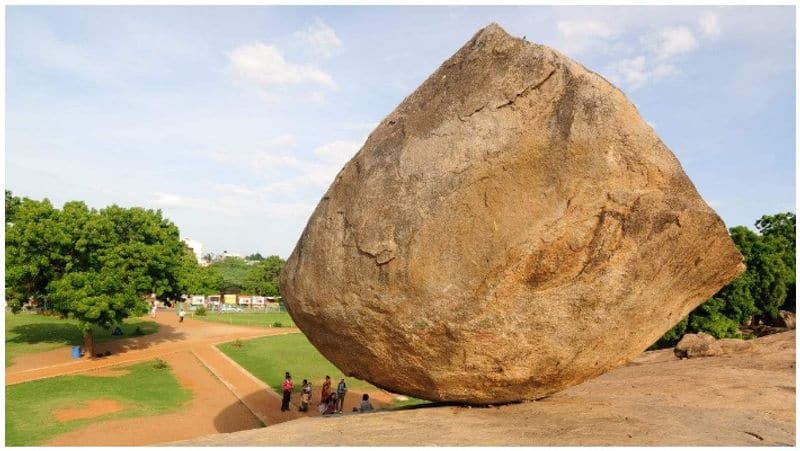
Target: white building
{"x":196,"y":247}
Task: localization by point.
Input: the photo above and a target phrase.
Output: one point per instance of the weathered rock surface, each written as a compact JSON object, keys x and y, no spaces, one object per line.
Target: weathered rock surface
{"x":786,"y":319}
{"x":697,"y":345}
{"x":705,"y":345}
{"x":513,"y":228}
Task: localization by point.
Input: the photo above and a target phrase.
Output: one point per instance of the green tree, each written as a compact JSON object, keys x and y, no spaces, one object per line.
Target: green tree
{"x":779,"y":236}
{"x":263,"y":277}
{"x":12,"y":203}
{"x":234,"y":271}
{"x":88,"y":264}
{"x":257,"y":257}
{"x":198,"y":279}
{"x":32,"y":251}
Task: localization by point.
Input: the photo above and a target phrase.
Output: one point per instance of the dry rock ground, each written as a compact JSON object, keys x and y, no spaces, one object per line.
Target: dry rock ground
{"x":657,"y":399}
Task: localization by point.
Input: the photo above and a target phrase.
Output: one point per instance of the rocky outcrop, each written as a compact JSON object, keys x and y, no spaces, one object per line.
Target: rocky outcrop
{"x":697,"y":345}
{"x":705,"y":345}
{"x":786,"y":319}
{"x":513,"y":228}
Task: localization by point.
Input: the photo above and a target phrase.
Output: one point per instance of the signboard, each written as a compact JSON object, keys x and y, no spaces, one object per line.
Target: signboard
{"x":244,"y":300}
{"x":213,"y":299}
{"x":230,"y":298}
{"x":198,"y":300}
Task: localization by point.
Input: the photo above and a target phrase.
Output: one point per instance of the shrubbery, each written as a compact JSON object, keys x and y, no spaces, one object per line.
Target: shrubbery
{"x":201,"y":311}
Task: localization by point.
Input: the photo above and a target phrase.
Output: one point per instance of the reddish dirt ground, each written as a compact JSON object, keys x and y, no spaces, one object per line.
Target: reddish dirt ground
{"x":201,"y":416}
{"x":93,"y":408}
{"x":226,"y":398}
{"x":171,"y":337}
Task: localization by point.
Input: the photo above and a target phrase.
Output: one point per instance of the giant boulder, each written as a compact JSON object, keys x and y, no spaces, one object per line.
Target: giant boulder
{"x":512,"y":228}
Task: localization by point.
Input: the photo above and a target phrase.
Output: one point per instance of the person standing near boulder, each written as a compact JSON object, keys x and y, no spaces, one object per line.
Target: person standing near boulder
{"x":305,"y":396}
{"x":287,"y":387}
{"x":326,"y":390}
{"x":341,"y":390}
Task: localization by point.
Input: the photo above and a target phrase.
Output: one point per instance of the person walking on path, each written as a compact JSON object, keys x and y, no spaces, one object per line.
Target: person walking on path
{"x":341,"y":390}
{"x":326,"y":390}
{"x":154,"y":310}
{"x":181,"y":315}
{"x":287,"y":387}
{"x":305,"y":396}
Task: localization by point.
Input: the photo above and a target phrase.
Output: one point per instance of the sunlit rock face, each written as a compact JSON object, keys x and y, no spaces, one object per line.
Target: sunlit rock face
{"x":512,"y":228}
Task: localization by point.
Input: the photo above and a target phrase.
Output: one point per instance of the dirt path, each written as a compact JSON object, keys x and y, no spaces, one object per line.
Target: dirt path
{"x":171,"y":337}
{"x":744,"y":400}
{"x":226,"y":398}
{"x":213,"y":409}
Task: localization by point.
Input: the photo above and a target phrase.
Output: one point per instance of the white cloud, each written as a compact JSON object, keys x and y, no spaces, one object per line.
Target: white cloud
{"x":321,"y":39}
{"x":265,"y":66}
{"x":271,"y":154}
{"x":635,"y":72}
{"x":671,"y":41}
{"x":582,"y":29}
{"x":709,"y":25}
{"x":230,"y":188}
{"x":579,"y":36}
{"x":171,"y":200}
{"x":285,"y":140}
{"x":337,"y":152}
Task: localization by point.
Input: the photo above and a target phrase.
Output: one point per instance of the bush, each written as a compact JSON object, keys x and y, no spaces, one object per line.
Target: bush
{"x":237,"y":344}
{"x":277,"y":324}
{"x":160,"y":364}
{"x":138,"y":331}
{"x":201,"y":311}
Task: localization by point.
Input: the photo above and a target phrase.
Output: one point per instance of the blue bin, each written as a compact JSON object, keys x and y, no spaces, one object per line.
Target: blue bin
{"x":76,"y":352}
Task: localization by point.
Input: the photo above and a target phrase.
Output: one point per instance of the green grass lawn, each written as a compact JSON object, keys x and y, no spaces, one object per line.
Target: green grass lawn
{"x":30,"y":333}
{"x":268,"y":358}
{"x":254,"y":319}
{"x":144,"y":391}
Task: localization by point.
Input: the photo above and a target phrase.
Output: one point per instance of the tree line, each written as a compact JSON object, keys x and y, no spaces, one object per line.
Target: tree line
{"x":253,"y":274}
{"x":97,"y":266}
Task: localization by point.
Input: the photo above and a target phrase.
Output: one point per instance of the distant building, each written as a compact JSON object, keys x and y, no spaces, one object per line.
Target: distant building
{"x":196,"y":247}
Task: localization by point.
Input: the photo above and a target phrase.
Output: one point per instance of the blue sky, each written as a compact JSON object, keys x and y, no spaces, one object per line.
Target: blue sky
{"x":234,"y":120}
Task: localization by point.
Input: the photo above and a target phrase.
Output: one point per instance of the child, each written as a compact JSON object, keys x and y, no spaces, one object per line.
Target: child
{"x":305,"y":396}
{"x":366,"y":406}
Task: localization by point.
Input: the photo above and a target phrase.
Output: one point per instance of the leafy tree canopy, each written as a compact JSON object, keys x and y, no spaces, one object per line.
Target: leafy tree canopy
{"x":93,"y":265}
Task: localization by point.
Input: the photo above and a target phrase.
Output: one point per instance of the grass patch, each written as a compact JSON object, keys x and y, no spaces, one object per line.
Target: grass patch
{"x":408,"y":402}
{"x":30,"y":333}
{"x":268,"y":358}
{"x":144,"y":391}
{"x":252,"y":319}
